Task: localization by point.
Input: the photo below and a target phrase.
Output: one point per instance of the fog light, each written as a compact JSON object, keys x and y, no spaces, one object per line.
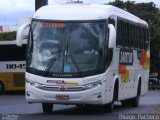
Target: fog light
{"x":99,"y":96}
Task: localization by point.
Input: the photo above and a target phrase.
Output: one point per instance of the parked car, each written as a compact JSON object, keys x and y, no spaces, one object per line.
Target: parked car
{"x":153,"y":81}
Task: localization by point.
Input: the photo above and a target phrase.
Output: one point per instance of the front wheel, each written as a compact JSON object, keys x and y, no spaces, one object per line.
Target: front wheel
{"x":47,"y":107}
{"x":133,"y":102}
{"x":110,"y":107}
{"x":126,"y":103}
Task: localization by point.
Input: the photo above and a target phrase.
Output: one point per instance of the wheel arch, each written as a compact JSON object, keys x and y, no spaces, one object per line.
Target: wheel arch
{"x":139,"y":86}
{"x":3,"y":86}
{"x":116,"y":88}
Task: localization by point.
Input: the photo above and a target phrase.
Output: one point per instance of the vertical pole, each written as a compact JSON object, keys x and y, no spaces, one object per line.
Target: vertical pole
{"x":40,"y":3}
{"x":159,"y":66}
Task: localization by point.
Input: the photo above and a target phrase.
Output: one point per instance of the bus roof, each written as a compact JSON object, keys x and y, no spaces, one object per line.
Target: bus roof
{"x":83,"y":12}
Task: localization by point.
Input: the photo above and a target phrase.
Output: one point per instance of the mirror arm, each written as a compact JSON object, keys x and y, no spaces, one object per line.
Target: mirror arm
{"x":20,"y":33}
{"x":112,"y":36}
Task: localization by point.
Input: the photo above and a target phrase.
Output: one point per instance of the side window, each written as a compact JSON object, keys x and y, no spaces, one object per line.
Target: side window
{"x":111,"y":21}
{"x":128,"y":35}
{"x":122,"y":33}
{"x":125,"y":35}
{"x":119,"y":33}
{"x":147,"y":39}
{"x":143,"y":30}
{"x":144,"y":38}
{"x":132,"y":37}
{"x":141,"y":38}
{"x":136,"y":37}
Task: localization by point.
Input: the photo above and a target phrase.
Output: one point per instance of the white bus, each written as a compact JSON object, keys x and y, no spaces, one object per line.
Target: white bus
{"x":12,"y":66}
{"x":85,"y":54}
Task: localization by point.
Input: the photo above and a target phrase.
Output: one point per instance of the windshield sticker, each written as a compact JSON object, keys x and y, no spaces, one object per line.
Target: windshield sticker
{"x":62,"y":82}
{"x":67,"y":69}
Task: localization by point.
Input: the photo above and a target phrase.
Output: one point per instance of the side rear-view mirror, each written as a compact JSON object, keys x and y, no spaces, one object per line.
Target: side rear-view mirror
{"x":21,"y":34}
{"x":112,"y":36}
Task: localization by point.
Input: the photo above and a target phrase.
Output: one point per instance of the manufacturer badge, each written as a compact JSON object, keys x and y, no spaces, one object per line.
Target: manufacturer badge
{"x":62,"y":88}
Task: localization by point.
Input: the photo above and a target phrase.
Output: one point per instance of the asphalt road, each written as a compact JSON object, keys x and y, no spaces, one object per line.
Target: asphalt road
{"x":14,"y":107}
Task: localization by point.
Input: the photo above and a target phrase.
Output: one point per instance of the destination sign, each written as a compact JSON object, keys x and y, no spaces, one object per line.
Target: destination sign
{"x":126,"y":57}
{"x":50,"y":24}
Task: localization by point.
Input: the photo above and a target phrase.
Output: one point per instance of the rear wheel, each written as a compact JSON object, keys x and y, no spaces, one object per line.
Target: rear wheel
{"x":125,"y":103}
{"x":47,"y":107}
{"x":133,"y":102}
{"x":1,"y":88}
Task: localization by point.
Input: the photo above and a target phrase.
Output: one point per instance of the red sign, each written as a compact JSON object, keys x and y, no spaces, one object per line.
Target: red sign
{"x":62,"y":97}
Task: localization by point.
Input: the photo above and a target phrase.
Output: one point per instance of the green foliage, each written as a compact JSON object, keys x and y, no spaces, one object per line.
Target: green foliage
{"x":8,"y":36}
{"x":151,"y":14}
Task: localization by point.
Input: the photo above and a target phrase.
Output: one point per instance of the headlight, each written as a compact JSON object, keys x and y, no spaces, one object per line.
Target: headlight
{"x":92,"y":85}
{"x":34,"y":84}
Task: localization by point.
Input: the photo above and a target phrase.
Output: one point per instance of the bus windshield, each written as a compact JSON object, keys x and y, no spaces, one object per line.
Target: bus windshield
{"x":66,"y":47}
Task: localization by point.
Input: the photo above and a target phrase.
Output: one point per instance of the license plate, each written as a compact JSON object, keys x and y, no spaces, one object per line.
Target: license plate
{"x":62,"y":97}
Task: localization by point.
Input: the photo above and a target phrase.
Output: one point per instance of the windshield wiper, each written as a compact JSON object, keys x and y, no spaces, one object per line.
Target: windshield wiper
{"x":74,"y":63}
{"x":56,"y":55}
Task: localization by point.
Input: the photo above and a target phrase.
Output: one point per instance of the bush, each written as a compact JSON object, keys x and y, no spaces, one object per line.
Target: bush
{"x":8,"y":36}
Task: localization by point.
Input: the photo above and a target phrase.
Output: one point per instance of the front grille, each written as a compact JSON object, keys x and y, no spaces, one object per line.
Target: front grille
{"x":66,"y":88}
{"x":19,"y":79}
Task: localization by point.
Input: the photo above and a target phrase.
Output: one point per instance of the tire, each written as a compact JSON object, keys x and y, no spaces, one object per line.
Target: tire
{"x":79,"y":105}
{"x":1,"y":88}
{"x":126,"y":103}
{"x":110,"y":107}
{"x":133,"y":102}
{"x":47,"y":107}
{"x":136,"y":100}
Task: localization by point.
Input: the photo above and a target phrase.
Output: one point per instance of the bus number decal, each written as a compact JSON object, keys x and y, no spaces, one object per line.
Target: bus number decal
{"x":126,"y":57}
{"x":15,"y":66}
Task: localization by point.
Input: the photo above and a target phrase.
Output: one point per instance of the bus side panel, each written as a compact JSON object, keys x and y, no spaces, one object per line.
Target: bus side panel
{"x":127,"y":74}
{"x":144,"y":85}
{"x":6,"y":79}
{"x":13,"y":81}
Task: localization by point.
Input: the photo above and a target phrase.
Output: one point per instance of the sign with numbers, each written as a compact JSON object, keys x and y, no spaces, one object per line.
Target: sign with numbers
{"x":17,"y":66}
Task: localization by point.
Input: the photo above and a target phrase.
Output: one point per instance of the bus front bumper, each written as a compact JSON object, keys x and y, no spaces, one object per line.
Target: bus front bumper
{"x":90,"y":96}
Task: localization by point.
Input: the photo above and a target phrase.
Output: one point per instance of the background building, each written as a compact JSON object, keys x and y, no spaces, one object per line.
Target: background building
{"x":1,"y":29}
{"x":11,"y":28}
